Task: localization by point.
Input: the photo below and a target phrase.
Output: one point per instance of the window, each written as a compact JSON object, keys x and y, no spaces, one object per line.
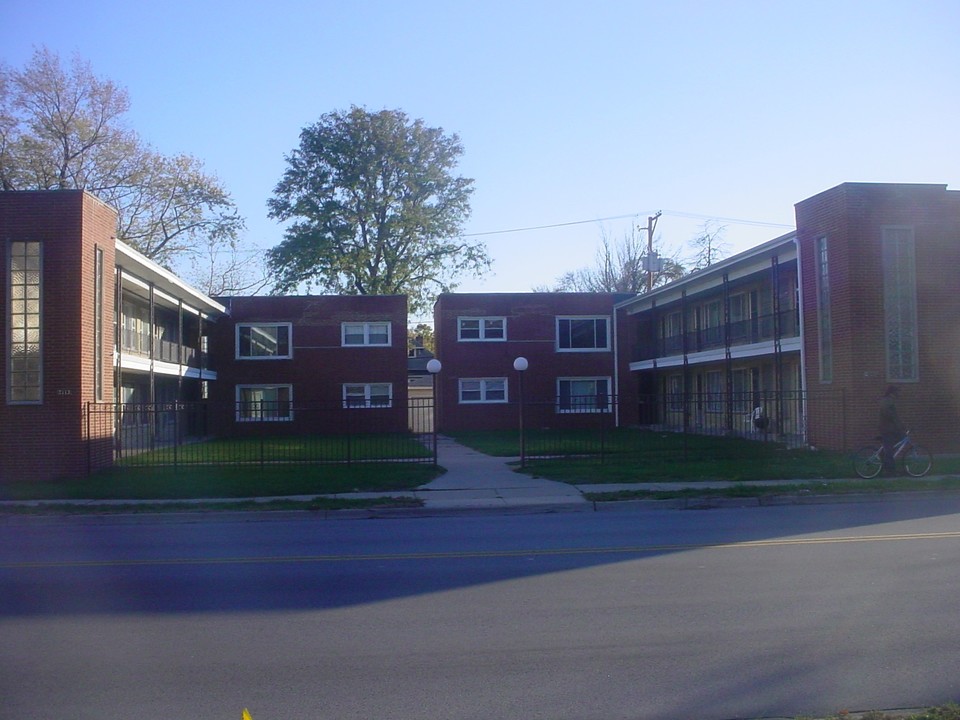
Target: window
{"x":900,"y":303}
{"x":481,"y":328}
{"x":675,"y":392}
{"x":371,"y":334}
{"x":582,"y":334}
{"x":136,"y":327}
{"x":824,"y":323}
{"x":483,"y":390}
{"x":741,"y":380}
{"x":98,"y":324}
{"x":264,"y":403}
{"x":713,"y":396}
{"x":367,"y":395}
{"x":23,"y":320}
{"x":264,"y":341}
{"x":583,"y":395}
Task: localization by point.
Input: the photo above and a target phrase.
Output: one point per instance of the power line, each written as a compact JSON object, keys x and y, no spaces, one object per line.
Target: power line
{"x":672,"y":213}
{"x":555,"y":225}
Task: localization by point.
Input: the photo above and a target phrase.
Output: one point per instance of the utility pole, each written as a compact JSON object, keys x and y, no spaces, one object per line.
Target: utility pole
{"x":651,"y":261}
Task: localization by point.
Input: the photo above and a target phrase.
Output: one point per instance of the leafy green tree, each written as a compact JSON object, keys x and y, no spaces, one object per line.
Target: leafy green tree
{"x":376,"y":209}
{"x":63,"y":128}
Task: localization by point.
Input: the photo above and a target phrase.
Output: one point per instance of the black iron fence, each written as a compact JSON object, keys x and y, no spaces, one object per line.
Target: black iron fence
{"x":210,"y":433}
{"x":603,"y":425}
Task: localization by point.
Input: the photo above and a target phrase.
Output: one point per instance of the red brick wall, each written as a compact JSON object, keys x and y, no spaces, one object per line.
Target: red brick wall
{"x":47,"y":440}
{"x":319,"y":366}
{"x":851,"y":216}
{"x":531,"y":333}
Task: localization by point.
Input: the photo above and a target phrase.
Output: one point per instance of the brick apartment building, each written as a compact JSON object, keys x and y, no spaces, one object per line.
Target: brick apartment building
{"x":809,"y":328}
{"x":812,"y":327}
{"x":310,"y":364}
{"x":567,"y":339}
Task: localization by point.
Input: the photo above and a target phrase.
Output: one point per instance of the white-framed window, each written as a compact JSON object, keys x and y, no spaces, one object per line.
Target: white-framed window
{"x":742,"y":386}
{"x":476,"y":329}
{"x":713,"y":391}
{"x":900,"y":304}
{"x":483,"y":390}
{"x":583,"y":334}
{"x":674,"y":391}
{"x":672,"y":327}
{"x":583,"y":395}
{"x":365,"y":334}
{"x":367,"y":395}
{"x":264,"y":341}
{"x":264,"y":403}
{"x":24,"y":316}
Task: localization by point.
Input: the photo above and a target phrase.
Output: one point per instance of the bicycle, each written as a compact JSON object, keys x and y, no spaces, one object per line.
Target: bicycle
{"x":868,"y":460}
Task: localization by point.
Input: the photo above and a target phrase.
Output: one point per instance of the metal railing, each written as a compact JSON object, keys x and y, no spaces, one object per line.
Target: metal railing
{"x":210,"y":433}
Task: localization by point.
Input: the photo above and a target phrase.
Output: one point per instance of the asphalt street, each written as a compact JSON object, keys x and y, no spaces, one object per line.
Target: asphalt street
{"x":628,"y":613}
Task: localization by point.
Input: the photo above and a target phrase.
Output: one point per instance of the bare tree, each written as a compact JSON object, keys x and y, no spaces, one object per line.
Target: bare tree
{"x":709,"y":245}
{"x":64,"y":128}
{"x":620,"y":267}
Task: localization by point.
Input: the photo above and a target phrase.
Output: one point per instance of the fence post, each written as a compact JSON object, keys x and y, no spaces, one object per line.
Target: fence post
{"x":602,"y":437}
{"x":89,"y":443}
{"x":176,"y":432}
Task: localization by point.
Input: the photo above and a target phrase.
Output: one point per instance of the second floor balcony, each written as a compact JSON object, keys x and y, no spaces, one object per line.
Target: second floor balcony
{"x":755,"y":330}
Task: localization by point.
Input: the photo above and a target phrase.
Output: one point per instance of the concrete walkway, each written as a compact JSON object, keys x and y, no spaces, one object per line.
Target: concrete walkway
{"x":477,"y":480}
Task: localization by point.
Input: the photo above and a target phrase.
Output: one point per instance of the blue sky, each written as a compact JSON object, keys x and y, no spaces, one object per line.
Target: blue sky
{"x":569,"y":112}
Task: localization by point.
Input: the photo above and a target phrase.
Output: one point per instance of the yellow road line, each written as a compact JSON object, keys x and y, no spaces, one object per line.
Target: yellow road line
{"x":626,"y":550}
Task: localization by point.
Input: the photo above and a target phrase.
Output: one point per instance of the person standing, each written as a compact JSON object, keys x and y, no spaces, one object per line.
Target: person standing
{"x":891,"y":431}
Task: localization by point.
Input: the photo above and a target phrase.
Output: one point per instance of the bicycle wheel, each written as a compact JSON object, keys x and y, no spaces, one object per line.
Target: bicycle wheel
{"x":867,"y":462}
{"x":917,"y":461}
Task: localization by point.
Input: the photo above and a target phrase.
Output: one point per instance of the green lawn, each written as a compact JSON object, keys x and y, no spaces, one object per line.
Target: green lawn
{"x":222,"y":481}
{"x":637,"y":456}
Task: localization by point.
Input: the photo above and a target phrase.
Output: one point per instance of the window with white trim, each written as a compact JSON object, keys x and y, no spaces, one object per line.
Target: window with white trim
{"x":367,"y":395}
{"x":365,"y":334}
{"x":474,"y":329}
{"x":25,"y":360}
{"x":264,"y":403}
{"x":483,"y":390}
{"x":264,"y":341}
{"x":900,"y":304}
{"x":583,"y":395}
{"x":713,"y":391}
{"x":583,"y":334}
{"x":674,"y":391}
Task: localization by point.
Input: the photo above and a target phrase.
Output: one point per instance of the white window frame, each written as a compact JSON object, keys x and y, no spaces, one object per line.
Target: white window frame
{"x":485,"y":387}
{"x":367,"y":390}
{"x":574,"y":318}
{"x":242,"y":325}
{"x":366,"y":333}
{"x":240,"y":417}
{"x":25,"y":323}
{"x":584,"y":408}
{"x":483,"y":329}
{"x":713,"y":391}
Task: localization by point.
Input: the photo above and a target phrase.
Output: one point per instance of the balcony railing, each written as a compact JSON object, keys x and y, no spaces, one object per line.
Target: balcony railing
{"x":742,"y":332}
{"x":164,"y":351}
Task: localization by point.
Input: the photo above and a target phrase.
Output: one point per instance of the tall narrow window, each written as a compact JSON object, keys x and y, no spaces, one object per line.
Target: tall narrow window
{"x":900,"y":303}
{"x":24,"y":375}
{"x":98,"y":325}
{"x":824,"y":323}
